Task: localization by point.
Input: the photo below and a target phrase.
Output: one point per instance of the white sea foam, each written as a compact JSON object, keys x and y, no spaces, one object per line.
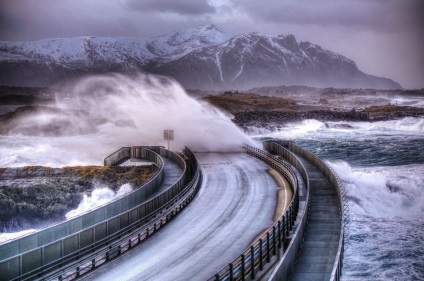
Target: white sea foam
{"x":384,"y":192}
{"x":99,"y":197}
{"x":315,"y":129}
{"x":7,"y":236}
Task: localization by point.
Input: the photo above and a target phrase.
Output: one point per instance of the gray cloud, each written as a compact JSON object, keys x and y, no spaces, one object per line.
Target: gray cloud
{"x":384,"y":15}
{"x":189,"y":7}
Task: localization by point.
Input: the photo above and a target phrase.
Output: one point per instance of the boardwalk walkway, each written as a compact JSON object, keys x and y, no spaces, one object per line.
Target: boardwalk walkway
{"x":317,"y":256}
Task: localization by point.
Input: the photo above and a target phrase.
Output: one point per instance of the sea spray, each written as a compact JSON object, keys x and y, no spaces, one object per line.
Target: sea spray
{"x":141,"y":107}
{"x":384,"y":192}
{"x":99,"y":196}
{"x":135,"y":110}
{"x":386,"y":222}
{"x":8,"y":236}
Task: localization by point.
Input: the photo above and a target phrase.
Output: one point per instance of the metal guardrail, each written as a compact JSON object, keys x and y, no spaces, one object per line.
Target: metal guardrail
{"x":55,"y":232}
{"x":285,"y":265}
{"x":50,"y":258}
{"x":260,"y":252}
{"x":340,"y":190}
{"x":136,"y":233}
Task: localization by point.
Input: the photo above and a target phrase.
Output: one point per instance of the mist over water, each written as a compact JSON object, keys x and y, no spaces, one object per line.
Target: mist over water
{"x":105,"y":113}
{"x":116,"y":111}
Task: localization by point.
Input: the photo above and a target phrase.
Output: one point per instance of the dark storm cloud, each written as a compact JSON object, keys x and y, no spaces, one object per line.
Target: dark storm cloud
{"x":190,"y":7}
{"x":32,"y":20}
{"x":22,"y":20}
{"x":383,"y":15}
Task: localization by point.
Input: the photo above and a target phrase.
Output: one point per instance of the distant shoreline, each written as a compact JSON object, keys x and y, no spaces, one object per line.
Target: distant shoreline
{"x":262,"y":118}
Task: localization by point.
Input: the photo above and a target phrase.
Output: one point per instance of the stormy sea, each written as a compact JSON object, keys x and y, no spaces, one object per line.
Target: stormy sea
{"x":382,"y":165}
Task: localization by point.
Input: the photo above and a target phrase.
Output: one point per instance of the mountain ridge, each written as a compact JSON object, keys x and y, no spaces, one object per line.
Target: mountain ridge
{"x":203,"y":57}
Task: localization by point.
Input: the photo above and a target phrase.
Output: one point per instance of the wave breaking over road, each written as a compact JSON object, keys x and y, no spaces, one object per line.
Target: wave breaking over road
{"x":121,"y":111}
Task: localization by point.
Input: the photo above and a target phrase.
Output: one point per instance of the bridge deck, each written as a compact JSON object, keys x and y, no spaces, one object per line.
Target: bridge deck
{"x":235,"y":203}
{"x":172,"y":173}
{"x":171,"y":170}
{"x":317,"y":256}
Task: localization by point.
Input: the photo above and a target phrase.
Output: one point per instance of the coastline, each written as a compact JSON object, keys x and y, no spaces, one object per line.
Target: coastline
{"x":267,"y":118}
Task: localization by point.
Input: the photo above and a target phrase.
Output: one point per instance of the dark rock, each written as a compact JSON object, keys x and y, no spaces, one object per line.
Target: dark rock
{"x":338,"y":126}
{"x":31,"y":196}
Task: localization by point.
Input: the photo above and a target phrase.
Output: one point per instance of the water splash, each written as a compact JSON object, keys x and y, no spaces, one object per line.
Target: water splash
{"x":384,"y":192}
{"x":99,"y":197}
{"x":8,"y":236}
{"x":120,"y":111}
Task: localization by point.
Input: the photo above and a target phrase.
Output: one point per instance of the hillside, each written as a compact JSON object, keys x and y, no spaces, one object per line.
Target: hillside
{"x":203,"y":57}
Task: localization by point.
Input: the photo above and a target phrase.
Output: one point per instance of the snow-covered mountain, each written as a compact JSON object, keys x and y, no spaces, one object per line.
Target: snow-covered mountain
{"x":204,"y":57}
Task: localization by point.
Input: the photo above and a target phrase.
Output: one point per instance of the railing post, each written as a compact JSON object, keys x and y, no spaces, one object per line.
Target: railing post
{"x":267,"y":248}
{"x":231,"y":271}
{"x":274,"y":248}
{"x":291,"y":218}
{"x":242,"y":267}
{"x":261,"y":267}
{"x":252,"y":262}
{"x":284,"y":230}
{"x":279,"y":234}
{"x":217,"y":277}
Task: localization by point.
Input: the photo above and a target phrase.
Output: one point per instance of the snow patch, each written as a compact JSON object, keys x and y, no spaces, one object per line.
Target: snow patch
{"x":237,"y":75}
{"x":218,"y":64}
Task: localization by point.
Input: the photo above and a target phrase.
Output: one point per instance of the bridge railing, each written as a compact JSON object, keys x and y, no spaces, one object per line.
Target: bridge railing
{"x":286,"y":264}
{"x":340,"y":190}
{"x":270,"y":244}
{"x":118,"y":157}
{"x":103,"y":223}
{"x":279,"y":149}
{"x":115,"y":245}
{"x":45,"y":236}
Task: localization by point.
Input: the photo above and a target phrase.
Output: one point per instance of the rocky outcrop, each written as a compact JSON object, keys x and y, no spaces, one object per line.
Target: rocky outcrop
{"x":35,"y":195}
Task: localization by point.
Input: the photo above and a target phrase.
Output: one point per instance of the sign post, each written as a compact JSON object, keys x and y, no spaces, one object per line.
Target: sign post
{"x":168,"y":135}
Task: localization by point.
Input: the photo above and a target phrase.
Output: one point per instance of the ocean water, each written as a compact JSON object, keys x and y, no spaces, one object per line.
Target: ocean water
{"x":382,"y":165}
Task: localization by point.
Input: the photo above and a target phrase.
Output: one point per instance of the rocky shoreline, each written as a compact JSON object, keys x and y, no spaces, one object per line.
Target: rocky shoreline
{"x":371,"y":114}
{"x":33,"y":196}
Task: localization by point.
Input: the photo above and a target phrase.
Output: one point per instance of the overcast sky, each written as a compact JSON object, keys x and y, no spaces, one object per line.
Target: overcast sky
{"x":384,"y":37}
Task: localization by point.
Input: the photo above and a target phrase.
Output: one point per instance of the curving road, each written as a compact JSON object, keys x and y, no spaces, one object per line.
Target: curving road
{"x":237,"y":193}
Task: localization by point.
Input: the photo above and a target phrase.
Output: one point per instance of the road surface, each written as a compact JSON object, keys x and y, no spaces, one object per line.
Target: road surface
{"x":236,"y":202}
